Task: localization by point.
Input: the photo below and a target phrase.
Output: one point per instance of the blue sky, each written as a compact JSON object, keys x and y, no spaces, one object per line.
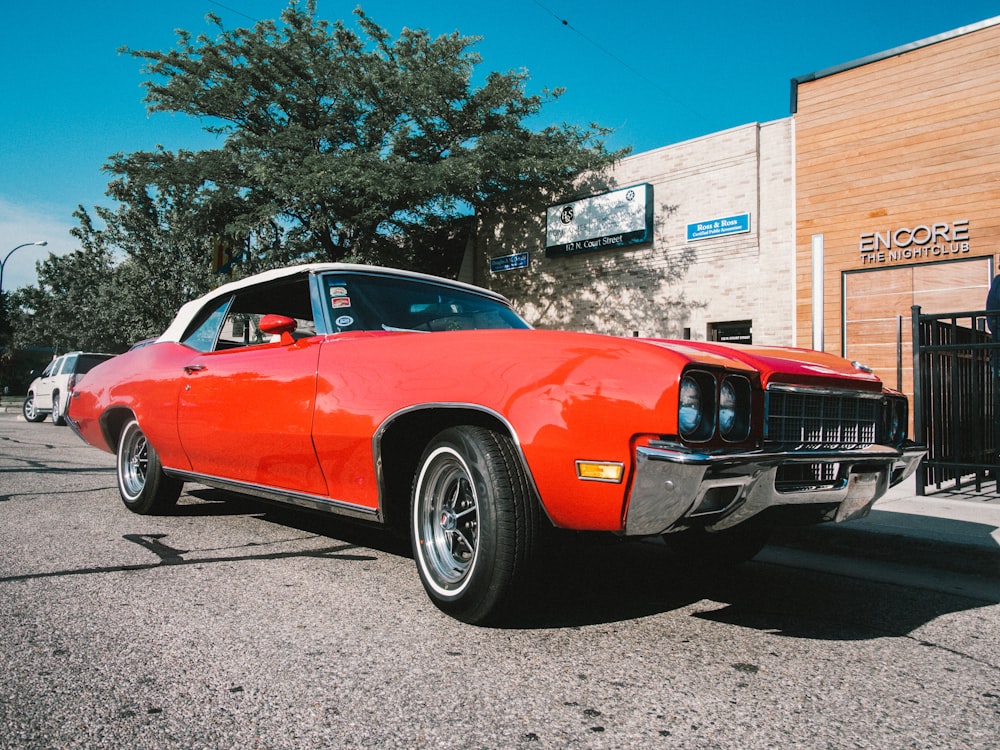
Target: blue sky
{"x":657,"y":72}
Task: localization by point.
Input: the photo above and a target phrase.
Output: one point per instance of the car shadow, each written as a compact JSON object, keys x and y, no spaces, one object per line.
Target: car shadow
{"x":214,"y":502}
{"x":588,"y":579}
{"x":589,"y":582}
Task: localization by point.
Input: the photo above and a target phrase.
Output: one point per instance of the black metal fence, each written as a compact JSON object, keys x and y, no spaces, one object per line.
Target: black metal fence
{"x":955,"y":399}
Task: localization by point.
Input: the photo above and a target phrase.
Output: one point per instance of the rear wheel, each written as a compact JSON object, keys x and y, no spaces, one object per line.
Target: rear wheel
{"x":143,"y":486}
{"x":29,"y":411}
{"x":474,"y":523}
{"x":57,"y":415}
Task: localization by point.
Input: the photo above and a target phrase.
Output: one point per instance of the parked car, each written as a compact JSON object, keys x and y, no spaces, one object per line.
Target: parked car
{"x":429,"y":405}
{"x":48,"y":392}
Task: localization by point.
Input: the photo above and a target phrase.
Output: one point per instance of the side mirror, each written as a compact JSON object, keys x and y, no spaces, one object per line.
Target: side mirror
{"x":279,"y":324}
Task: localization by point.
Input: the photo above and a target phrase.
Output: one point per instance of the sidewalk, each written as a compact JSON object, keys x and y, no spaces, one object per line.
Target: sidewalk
{"x":963,"y":517}
{"x":11,"y":404}
{"x":955,"y":534}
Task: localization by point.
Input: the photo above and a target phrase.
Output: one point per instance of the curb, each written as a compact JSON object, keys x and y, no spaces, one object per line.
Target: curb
{"x":853,"y":540}
{"x":954,"y":531}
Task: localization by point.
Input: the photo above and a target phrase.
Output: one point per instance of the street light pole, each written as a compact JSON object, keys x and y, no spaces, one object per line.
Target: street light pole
{"x":3,"y":264}
{"x":3,"y":302}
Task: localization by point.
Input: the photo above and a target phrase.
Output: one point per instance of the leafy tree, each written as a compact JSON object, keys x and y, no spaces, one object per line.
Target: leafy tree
{"x":67,"y":309}
{"x":127,"y":279}
{"x":340,"y":145}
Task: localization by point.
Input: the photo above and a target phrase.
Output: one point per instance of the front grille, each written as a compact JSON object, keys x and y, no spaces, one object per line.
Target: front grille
{"x":821,"y":419}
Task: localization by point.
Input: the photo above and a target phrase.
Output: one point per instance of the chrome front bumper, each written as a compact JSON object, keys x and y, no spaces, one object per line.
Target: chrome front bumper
{"x":674,"y":487}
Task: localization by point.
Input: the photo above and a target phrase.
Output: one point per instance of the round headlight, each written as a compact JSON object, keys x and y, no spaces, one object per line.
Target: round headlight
{"x":734,"y":408}
{"x":727,"y":407}
{"x":690,"y":412}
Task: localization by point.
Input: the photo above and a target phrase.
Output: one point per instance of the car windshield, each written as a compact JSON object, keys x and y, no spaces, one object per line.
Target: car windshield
{"x":360,"y":302}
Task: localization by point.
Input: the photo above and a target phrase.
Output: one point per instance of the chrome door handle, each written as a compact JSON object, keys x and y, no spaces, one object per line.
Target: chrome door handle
{"x":193,"y":368}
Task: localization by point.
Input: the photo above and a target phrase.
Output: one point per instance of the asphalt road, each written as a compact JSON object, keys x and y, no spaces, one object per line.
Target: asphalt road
{"x":233,"y":625}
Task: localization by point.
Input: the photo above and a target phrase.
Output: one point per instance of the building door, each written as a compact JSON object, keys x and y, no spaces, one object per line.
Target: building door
{"x":877,"y":327}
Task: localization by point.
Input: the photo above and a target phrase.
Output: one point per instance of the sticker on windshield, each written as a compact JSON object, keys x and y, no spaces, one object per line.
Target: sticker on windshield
{"x":344,"y":320}
{"x":338,"y":291}
{"x":341,"y":302}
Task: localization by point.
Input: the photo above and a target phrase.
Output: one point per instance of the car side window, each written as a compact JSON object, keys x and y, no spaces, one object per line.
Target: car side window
{"x":203,"y":334}
{"x":234,"y":322}
{"x":50,"y":370}
{"x":241,"y":326}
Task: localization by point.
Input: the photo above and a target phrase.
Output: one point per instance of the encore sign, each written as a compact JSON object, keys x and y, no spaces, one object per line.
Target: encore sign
{"x":924,"y":242}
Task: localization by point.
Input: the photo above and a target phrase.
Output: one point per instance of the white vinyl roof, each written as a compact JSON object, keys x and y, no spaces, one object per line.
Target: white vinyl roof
{"x":191,"y":309}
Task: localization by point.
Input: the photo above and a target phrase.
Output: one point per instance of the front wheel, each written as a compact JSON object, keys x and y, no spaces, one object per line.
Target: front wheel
{"x":474,"y":523}
{"x":29,"y":411}
{"x":143,"y":486}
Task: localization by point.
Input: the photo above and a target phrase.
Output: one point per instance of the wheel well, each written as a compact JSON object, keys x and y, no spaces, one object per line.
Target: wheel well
{"x":113,"y":422}
{"x":403,"y":442}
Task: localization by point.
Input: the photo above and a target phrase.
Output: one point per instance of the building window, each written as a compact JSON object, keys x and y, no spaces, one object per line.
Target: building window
{"x":731,"y":332}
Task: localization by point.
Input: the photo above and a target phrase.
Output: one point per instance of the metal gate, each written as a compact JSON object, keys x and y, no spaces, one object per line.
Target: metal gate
{"x":955,"y":398}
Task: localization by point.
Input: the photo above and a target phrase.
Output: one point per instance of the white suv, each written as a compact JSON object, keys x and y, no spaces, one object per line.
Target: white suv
{"x":48,"y":393}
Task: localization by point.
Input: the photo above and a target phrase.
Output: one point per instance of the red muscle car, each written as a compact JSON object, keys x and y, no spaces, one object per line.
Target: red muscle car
{"x":418,"y":402}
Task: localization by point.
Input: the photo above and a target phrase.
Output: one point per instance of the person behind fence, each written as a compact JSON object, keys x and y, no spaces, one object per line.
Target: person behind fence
{"x":993,"y":320}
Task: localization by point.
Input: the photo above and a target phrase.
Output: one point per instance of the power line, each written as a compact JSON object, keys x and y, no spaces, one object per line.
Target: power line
{"x":616,"y":58}
{"x":233,"y":10}
{"x":564,"y":22}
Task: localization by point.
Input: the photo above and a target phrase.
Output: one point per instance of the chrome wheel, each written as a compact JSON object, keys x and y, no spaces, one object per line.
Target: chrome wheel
{"x":473,"y":523}
{"x":142,"y":483}
{"x":446,"y":520}
{"x":133,"y":463}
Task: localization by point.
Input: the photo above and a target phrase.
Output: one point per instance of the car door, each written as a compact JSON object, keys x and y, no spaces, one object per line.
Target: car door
{"x":245,"y":408}
{"x":45,"y":384}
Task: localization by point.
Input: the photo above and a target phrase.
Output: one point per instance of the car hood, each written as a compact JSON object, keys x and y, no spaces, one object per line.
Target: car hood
{"x":779,"y":364}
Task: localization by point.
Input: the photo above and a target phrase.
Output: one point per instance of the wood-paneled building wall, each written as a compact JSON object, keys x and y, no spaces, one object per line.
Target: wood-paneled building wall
{"x":897,"y":193}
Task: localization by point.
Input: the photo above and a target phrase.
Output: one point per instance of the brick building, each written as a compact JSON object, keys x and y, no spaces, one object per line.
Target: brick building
{"x":724,"y":286}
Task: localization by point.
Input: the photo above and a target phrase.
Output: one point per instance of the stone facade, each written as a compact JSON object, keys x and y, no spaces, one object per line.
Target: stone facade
{"x":670,"y":287}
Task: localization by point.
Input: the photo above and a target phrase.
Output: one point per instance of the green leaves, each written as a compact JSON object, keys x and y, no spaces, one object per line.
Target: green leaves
{"x":350,"y":139}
